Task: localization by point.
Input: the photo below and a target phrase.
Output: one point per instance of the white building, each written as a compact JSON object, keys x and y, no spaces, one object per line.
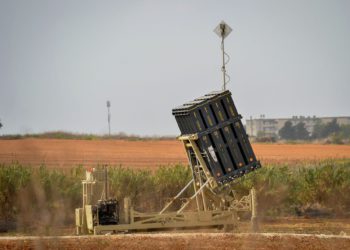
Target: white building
{"x":270,"y":127}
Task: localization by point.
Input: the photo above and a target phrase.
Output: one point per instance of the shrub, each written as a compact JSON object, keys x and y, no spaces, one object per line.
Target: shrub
{"x":43,"y":199}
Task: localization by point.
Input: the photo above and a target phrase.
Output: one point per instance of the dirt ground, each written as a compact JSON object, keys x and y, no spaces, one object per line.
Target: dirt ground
{"x":181,"y":241}
{"x":143,"y":154}
{"x":300,"y":225}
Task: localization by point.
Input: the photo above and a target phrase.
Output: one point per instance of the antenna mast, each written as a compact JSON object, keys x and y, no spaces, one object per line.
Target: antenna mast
{"x":223,"y":30}
{"x":109,"y":118}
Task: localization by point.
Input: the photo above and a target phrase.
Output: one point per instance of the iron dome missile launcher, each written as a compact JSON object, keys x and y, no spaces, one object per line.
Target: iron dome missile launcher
{"x":220,"y":136}
{"x":219,"y":153}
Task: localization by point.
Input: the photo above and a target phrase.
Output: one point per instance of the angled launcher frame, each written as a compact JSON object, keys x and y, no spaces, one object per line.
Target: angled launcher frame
{"x":214,"y":204}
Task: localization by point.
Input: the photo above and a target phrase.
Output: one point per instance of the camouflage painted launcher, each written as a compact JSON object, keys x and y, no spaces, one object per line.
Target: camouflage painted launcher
{"x":222,"y":139}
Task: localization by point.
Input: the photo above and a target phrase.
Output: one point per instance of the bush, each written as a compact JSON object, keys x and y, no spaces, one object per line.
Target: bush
{"x":41,"y":199}
{"x":285,"y":190}
{"x":13,"y":179}
{"x":135,"y":184}
{"x":38,"y":197}
{"x":147,"y":190}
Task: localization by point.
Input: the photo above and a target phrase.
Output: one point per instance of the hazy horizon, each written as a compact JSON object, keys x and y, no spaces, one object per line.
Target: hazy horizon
{"x":60,"y":61}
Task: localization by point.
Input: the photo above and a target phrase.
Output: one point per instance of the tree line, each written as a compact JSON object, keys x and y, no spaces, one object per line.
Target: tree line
{"x":320,"y":131}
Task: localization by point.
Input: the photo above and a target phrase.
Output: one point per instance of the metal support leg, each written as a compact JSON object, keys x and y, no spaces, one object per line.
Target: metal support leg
{"x":188,"y":145}
{"x":254,"y":204}
{"x":202,"y":192}
{"x":192,"y":197}
{"x":127,"y":205}
{"x":177,"y":196}
{"x":195,"y":187}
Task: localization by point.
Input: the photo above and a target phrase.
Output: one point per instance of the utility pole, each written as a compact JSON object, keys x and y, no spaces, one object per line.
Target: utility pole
{"x":109,"y":117}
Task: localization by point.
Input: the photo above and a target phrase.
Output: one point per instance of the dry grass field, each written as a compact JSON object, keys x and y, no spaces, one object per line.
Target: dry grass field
{"x":143,"y":154}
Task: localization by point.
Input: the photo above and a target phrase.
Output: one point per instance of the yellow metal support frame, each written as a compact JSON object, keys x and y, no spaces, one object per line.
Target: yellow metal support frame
{"x":213,"y":207}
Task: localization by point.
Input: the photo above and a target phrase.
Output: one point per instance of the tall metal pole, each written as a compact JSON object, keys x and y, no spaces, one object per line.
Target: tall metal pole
{"x":109,"y":118}
{"x":109,"y":122}
{"x":223,"y":59}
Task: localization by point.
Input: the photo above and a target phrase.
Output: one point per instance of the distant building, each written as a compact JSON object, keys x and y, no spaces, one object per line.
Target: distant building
{"x":270,"y":127}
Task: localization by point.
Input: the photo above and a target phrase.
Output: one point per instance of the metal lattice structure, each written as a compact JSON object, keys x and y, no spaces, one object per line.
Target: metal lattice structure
{"x":215,"y":205}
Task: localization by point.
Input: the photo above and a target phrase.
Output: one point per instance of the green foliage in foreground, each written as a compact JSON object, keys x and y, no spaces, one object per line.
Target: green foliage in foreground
{"x":47,"y":198}
{"x":148,"y":190}
{"x":284,"y":190}
{"x":38,"y":195}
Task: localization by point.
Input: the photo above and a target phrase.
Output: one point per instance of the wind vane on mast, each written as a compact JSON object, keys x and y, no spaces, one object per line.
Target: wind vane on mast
{"x":223,"y":30}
